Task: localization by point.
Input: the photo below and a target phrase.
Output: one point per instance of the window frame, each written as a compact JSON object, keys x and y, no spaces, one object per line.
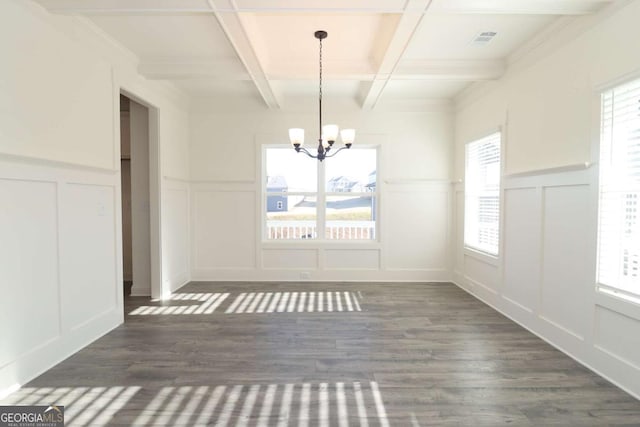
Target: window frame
{"x":321,"y":200}
{"x":604,"y":185}
{"x":479,"y":252}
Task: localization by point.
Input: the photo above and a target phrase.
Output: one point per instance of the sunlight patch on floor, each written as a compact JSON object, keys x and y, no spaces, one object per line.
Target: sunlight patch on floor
{"x":83,"y":406}
{"x":295,"y":302}
{"x":264,"y":405}
{"x":188,"y":303}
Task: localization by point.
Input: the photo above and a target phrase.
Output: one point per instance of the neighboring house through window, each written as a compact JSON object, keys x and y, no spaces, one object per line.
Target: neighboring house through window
{"x":278,"y":186}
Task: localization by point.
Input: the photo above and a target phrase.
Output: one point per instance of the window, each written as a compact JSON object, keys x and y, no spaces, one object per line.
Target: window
{"x":331,"y":200}
{"x":482,"y":195}
{"x":618,"y":225}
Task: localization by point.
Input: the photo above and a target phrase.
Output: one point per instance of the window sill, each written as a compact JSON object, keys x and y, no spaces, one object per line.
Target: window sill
{"x":324,"y":244}
{"x":482,"y":256}
{"x":618,"y":301}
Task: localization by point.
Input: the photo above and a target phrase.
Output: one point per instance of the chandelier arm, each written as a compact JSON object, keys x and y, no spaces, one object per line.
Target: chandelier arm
{"x":337,"y":151}
{"x":304,"y":150}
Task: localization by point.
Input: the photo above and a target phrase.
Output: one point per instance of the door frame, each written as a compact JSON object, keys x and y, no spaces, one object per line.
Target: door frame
{"x":155,"y":194}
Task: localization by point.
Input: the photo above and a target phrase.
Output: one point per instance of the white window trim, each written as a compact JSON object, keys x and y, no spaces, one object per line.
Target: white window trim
{"x":472,"y":251}
{"x":321,"y":214}
{"x":610,"y":292}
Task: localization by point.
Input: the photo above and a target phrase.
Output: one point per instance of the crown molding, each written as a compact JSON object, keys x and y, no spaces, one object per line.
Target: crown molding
{"x":561,"y":32}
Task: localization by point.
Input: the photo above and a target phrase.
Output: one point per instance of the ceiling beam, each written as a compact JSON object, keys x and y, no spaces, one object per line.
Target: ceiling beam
{"x":308,"y":70}
{"x":125,"y":7}
{"x":407,"y":25}
{"x":117,"y":7}
{"x":231,"y":69}
{"x":151,"y":7}
{"x":326,"y":6}
{"x":233,"y":28}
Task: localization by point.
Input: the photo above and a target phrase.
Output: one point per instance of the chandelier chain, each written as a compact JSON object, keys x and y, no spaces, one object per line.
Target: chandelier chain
{"x":320,"y":94}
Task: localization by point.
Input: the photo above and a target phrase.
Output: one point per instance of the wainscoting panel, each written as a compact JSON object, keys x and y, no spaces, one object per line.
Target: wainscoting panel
{"x":413,"y":238}
{"x":87,"y":221}
{"x":415,"y":226}
{"x":617,"y":335}
{"x":566,"y":236}
{"x":29,"y":307}
{"x":521,"y":236}
{"x":352,"y":259}
{"x":548,"y":272}
{"x":282,"y":259}
{"x":458,"y":229}
{"x":176,"y":266}
{"x":481,"y":274}
{"x":224,"y":232}
{"x":60,"y":266}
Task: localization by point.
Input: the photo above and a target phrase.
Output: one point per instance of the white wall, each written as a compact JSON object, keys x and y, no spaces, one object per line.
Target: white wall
{"x":547,"y":106}
{"x":60,"y":216}
{"x":176,"y":249}
{"x":414,"y":180}
{"x":175,"y":234}
{"x":30,"y":104}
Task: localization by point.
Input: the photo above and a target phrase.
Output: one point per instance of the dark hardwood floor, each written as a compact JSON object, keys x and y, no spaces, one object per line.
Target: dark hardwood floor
{"x":317,"y":354}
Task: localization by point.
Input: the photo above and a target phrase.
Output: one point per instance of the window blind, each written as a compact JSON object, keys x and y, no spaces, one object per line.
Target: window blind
{"x":482,"y":194}
{"x":618,"y":225}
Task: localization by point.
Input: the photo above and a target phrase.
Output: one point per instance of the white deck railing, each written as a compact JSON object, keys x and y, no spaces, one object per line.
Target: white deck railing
{"x":334,"y":230}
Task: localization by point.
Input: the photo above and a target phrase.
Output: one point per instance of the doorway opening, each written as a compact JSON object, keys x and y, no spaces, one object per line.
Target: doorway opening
{"x":136,"y":206}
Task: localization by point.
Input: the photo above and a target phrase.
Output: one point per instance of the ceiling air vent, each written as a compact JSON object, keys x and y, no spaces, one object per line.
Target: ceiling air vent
{"x":483,"y":38}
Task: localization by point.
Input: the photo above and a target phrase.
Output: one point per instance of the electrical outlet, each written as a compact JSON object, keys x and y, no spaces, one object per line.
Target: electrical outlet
{"x":305,"y":275}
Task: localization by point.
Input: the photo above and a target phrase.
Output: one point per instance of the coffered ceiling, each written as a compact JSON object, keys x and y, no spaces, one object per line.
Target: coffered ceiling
{"x":378,"y":52}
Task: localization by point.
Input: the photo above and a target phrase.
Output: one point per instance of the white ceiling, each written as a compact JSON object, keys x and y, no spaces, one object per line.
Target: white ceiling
{"x":377,"y":51}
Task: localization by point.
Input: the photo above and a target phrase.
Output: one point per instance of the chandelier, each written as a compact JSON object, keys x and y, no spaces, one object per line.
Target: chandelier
{"x":328,"y":133}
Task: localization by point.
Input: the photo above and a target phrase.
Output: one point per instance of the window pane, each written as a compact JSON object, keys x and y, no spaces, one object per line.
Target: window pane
{"x":351,"y":218}
{"x":618,"y":225}
{"x":295,"y":220}
{"x":292,"y":192}
{"x":352,"y":170}
{"x":482,"y":194}
{"x":291,"y":171}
